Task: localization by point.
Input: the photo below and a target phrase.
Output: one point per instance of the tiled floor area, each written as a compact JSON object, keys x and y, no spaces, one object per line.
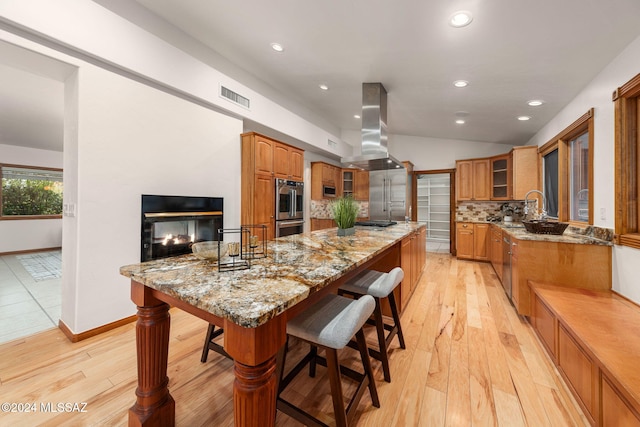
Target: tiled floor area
{"x":29,"y":302}
{"x":438,"y":247}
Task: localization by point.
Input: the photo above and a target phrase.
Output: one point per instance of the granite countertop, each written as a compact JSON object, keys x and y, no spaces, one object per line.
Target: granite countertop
{"x":295,"y":267}
{"x":573,"y":235}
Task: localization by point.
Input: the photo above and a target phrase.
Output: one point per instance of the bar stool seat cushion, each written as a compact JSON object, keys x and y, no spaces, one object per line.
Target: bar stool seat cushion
{"x":375,"y":283}
{"x":332,"y":321}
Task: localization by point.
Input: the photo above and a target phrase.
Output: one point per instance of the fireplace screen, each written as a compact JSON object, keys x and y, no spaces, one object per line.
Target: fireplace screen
{"x":171,"y":224}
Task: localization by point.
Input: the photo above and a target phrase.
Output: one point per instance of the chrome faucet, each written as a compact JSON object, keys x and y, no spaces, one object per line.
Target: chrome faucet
{"x":543,"y":214}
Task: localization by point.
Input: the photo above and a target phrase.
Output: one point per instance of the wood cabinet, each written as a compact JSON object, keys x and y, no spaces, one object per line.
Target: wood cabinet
{"x":355,"y":182}
{"x":263,"y":160}
{"x":565,"y":264}
{"x":580,"y":371}
{"x":473,"y":179}
{"x":274,"y":158}
{"x":515,"y":272}
{"x":481,"y":242}
{"x":324,"y":174}
{"x":412,"y":259}
{"x":472,"y":241}
{"x":321,"y":224}
{"x":501,"y":177}
{"x":464,"y":240}
{"x":594,"y":339}
{"x":495,"y":242}
{"x":288,"y":162}
{"x":524,"y":164}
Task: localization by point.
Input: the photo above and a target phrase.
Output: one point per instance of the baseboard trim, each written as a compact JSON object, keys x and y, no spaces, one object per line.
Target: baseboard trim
{"x":29,"y":251}
{"x":95,"y":331}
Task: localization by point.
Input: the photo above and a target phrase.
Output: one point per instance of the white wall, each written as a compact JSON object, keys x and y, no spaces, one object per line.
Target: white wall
{"x":134,"y":140}
{"x":88,"y":28}
{"x":432,"y":153}
{"x":598,"y":95}
{"x":21,"y":235}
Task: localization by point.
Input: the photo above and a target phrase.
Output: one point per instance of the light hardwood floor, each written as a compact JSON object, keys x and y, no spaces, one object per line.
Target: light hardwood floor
{"x":470,"y":361}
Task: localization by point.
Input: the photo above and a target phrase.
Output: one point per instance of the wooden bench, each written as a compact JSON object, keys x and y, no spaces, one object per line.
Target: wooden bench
{"x":593,"y":338}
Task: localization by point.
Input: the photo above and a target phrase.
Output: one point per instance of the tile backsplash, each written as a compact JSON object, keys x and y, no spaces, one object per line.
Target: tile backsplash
{"x":479,"y":211}
{"x":321,"y":209}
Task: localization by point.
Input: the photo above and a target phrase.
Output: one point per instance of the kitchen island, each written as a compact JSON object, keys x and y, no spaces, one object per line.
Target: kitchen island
{"x":252,"y":306}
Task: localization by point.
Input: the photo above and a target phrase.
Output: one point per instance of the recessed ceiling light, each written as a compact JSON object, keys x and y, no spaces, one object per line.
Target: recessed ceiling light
{"x":461,"y":18}
{"x":277,"y":47}
{"x":397,"y":166}
{"x":523,"y":118}
{"x":461,"y":83}
{"x":323,"y":87}
{"x":460,"y":121}
{"x":535,"y":102}
{"x":389,"y":161}
{"x":356,"y":116}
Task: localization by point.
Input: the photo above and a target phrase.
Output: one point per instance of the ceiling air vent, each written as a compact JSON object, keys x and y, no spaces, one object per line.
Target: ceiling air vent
{"x":234,"y":97}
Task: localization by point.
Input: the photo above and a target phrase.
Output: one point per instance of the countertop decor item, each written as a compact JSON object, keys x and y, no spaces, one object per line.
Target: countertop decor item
{"x":545,"y":227}
{"x":345,"y":212}
{"x":256,"y":246}
{"x":209,"y":250}
{"x":238,"y":242}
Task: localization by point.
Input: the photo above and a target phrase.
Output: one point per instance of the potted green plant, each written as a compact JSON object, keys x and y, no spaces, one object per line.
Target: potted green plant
{"x":345,"y":212}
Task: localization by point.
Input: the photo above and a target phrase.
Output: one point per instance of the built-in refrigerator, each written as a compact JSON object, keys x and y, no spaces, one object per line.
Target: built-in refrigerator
{"x":388,"y":195}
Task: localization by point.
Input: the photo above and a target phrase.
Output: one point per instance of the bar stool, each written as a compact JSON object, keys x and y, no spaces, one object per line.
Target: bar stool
{"x":330,"y":324}
{"x":209,"y":344}
{"x":379,"y":285}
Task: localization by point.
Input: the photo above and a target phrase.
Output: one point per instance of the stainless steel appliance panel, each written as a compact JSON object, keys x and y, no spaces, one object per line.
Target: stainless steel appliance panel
{"x":289,"y":199}
{"x":387,"y":195}
{"x":288,"y":228}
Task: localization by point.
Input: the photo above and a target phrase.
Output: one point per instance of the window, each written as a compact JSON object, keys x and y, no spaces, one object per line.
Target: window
{"x":627,"y":174}
{"x":550,"y":182}
{"x":567,"y":172}
{"x":30,"y":192}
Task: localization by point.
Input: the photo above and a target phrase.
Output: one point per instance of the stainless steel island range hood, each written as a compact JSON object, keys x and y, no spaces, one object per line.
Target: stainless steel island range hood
{"x":374,"y":155}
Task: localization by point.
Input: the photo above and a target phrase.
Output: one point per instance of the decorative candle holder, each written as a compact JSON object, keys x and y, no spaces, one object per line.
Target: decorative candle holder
{"x":238,"y":238}
{"x":256,"y":244}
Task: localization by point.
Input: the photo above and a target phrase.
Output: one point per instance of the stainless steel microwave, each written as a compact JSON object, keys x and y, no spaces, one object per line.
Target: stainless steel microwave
{"x":328,"y":191}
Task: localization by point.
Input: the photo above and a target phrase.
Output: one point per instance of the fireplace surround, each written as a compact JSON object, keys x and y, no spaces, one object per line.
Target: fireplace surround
{"x":171,"y":224}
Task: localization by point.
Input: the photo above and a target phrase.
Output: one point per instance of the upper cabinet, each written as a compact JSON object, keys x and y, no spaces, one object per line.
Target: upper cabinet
{"x":325,"y":175}
{"x":524,"y":162}
{"x":288,"y":162}
{"x":270,"y":157}
{"x":504,"y":177}
{"x":473,"y":179}
{"x":501,"y":177}
{"x":355,"y":182}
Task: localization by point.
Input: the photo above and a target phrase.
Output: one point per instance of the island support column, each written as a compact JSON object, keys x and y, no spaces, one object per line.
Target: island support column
{"x":254,"y":353}
{"x":154,"y":405}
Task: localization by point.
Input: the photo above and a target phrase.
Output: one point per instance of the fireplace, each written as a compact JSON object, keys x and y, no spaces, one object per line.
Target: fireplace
{"x":171,"y":224}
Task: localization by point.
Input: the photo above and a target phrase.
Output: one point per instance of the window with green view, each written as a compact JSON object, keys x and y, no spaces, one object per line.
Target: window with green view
{"x":29,"y":191}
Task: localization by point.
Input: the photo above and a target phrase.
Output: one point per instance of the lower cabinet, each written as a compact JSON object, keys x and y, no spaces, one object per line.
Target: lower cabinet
{"x":321,"y":224}
{"x":472,"y":241}
{"x":412,"y":258}
{"x":495,"y":254}
{"x":585,"y":371}
{"x":580,"y":372}
{"x":464,"y":240}
{"x":615,"y":411}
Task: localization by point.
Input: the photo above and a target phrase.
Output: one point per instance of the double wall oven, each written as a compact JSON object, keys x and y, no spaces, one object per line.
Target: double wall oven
{"x":289,"y":207}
